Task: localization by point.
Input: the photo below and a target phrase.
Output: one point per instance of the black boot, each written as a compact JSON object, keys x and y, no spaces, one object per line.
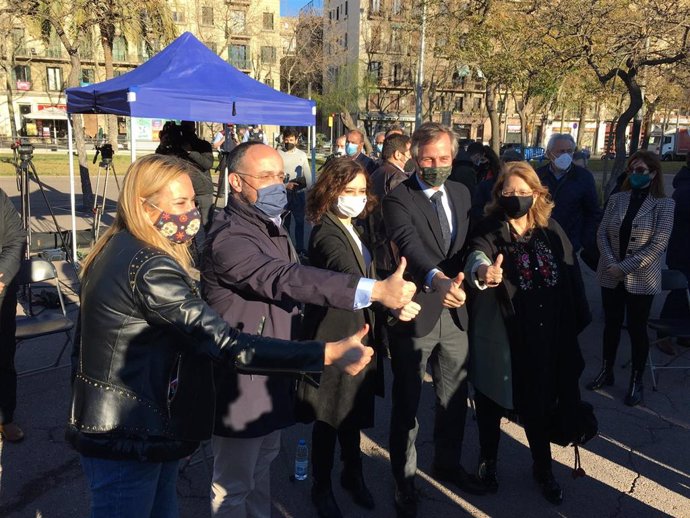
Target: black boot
{"x":352,"y":480}
{"x":486,"y":473}
{"x":605,"y":377}
{"x":549,"y":487}
{"x":324,"y":500}
{"x":636,"y":390}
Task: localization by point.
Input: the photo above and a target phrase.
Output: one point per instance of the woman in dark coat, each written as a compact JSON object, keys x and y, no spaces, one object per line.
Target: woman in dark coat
{"x":524,"y":354}
{"x":342,"y":405}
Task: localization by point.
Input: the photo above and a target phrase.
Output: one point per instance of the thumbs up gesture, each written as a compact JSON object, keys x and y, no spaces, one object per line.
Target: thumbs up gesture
{"x":492,"y":275}
{"x":451,"y":289}
{"x":349,"y":354}
{"x":395,"y":292}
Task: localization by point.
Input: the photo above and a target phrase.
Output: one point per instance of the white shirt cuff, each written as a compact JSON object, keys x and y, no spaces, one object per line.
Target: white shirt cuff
{"x":365,"y":287}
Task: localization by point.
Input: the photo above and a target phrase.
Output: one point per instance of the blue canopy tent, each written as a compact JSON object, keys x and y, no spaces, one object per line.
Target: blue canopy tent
{"x":187,"y":81}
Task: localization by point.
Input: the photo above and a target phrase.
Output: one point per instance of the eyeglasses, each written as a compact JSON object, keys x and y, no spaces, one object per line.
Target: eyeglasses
{"x":516,"y":193}
{"x":639,"y":170}
{"x":278,"y":176}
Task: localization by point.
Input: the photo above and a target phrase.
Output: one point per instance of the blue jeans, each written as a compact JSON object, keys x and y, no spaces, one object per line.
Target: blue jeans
{"x":131,"y":489}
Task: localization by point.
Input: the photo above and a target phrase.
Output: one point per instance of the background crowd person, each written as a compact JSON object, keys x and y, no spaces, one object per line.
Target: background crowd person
{"x":379,"y":139}
{"x":252,"y":277}
{"x":143,"y":392}
{"x":297,"y":180}
{"x":342,"y":406}
{"x":182,"y":141}
{"x":395,"y":154}
{"x":12,"y":246}
{"x":255,"y":134}
{"x":524,"y":353}
{"x":678,"y":253}
{"x":428,"y":219}
{"x":354,"y":148}
{"x":632,"y":237}
{"x":489,"y":169}
{"x":340,"y":145}
{"x":573,"y":191}
{"x":465,"y":166}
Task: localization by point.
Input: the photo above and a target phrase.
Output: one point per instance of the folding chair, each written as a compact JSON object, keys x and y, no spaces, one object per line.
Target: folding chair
{"x":46,"y":322}
{"x":670,"y":327}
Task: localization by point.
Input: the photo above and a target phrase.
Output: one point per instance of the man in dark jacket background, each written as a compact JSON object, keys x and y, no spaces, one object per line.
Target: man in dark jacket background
{"x":573,"y":191}
{"x":251,"y":276}
{"x":12,"y":244}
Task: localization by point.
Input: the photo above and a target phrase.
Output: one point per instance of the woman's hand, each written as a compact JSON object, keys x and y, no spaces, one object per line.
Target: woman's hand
{"x":615,"y":271}
{"x":349,"y":354}
{"x":491,"y":275}
{"x":408,"y":312}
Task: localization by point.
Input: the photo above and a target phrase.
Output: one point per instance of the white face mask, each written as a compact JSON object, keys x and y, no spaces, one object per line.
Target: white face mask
{"x":351,"y":206}
{"x":563,"y":162}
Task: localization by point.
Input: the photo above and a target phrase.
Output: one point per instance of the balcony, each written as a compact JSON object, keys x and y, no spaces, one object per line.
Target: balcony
{"x":24,"y":86}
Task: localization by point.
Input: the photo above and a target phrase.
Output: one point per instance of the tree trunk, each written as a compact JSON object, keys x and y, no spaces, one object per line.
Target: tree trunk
{"x":597,"y":126}
{"x":522,"y":115}
{"x":107,"y":38}
{"x":10,"y":104}
{"x":490,"y":102}
{"x":80,"y":143}
{"x":350,"y":124}
{"x":581,"y":125}
{"x":647,"y":121}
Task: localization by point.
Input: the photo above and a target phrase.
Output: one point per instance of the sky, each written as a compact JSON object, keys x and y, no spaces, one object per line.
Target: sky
{"x":291,"y":7}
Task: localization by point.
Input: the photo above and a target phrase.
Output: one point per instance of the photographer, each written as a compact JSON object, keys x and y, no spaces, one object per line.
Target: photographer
{"x":183,"y":142}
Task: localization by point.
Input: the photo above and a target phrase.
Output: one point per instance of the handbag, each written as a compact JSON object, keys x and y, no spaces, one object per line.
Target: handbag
{"x":573,"y":426}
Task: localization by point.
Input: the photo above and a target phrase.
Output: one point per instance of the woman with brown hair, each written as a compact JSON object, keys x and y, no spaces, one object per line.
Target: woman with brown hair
{"x":632,"y":237}
{"x":527,"y":307}
{"x":143,"y":389}
{"x":341,"y":405}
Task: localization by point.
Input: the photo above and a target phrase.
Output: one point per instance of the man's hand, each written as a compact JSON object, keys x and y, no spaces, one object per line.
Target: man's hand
{"x":2,"y":284}
{"x":491,"y":275}
{"x":395,"y":292}
{"x":615,"y":271}
{"x":407,"y":312}
{"x":291,"y":186}
{"x":451,"y":289}
{"x":348,"y":354}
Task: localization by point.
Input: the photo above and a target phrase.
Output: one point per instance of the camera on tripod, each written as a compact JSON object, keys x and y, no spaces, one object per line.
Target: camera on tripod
{"x":25,"y":150}
{"x":106,"y":151}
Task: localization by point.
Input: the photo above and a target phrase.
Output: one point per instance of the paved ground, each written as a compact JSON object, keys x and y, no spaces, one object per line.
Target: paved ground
{"x":639,"y":466}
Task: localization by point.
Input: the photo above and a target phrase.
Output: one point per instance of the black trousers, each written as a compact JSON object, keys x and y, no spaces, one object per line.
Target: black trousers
{"x":8,"y":376}
{"x":489,"y":415}
{"x":676,"y":304}
{"x":617,"y":303}
{"x":323,"y":438}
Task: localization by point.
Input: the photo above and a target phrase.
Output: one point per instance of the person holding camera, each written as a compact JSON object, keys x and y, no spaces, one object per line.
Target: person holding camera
{"x":183,"y":142}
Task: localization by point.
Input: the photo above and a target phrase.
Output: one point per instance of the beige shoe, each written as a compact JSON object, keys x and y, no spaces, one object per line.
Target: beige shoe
{"x":665,"y":345}
{"x":10,"y":432}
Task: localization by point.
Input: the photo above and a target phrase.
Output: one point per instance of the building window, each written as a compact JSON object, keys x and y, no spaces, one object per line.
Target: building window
{"x":54,"y":46}
{"x":22,"y":73}
{"x":397,"y":74}
{"x":375,"y":6}
{"x":238,"y":22}
{"x":238,"y":56}
{"x":345,"y":8}
{"x":207,"y":15}
{"x":54,"y":78}
{"x":477,"y":103}
{"x":119,"y":49}
{"x":269,"y":82}
{"x":268,"y":55}
{"x":268,"y":21}
{"x":178,"y":16}
{"x":337,"y":13}
{"x":88,"y":76}
{"x":345,"y":42}
{"x":459,"y":103}
{"x":396,"y":7}
{"x":375,"y":70}
{"x":395,"y":45}
{"x":19,"y":42}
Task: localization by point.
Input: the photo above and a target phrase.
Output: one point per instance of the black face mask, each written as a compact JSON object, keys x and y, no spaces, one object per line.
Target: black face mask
{"x":289,"y":146}
{"x":515,"y":206}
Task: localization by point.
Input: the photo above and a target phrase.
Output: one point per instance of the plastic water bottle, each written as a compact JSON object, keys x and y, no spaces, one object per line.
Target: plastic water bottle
{"x":301,"y":460}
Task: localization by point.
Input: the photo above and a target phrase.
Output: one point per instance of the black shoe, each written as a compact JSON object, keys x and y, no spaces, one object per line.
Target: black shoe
{"x":406,"y":499}
{"x":549,"y":487}
{"x":353,"y":482}
{"x":486,"y":473}
{"x":635,"y":390}
{"x":605,"y":377}
{"x":459,"y":477}
{"x":325,"y":503}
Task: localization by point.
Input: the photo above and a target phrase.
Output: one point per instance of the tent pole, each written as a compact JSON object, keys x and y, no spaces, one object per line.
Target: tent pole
{"x":72,"y":199}
{"x":132,"y":139}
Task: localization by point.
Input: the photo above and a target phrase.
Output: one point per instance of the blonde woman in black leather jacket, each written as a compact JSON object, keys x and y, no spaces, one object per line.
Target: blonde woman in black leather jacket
{"x":143,"y":393}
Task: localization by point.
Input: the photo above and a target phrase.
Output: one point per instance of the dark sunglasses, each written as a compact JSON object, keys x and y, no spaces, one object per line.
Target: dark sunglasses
{"x":639,"y":170}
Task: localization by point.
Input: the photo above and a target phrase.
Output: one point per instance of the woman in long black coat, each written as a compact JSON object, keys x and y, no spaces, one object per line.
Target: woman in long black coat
{"x":341,"y":405}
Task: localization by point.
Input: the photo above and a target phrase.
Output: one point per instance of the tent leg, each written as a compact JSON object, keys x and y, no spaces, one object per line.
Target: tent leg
{"x":72,"y":198}
{"x":132,"y":139}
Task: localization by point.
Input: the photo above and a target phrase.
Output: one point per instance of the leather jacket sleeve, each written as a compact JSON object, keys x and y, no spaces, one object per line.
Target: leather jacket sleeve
{"x":170,"y":299}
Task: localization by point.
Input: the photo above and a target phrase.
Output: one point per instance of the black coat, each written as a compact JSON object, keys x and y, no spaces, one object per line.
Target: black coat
{"x":340,"y":397}
{"x":386,"y":178}
{"x":678,"y":254}
{"x":12,"y":241}
{"x":563,"y":361}
{"x":412,"y":224}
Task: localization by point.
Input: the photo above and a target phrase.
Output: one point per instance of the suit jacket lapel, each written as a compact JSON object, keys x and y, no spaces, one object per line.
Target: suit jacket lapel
{"x":647,"y":205}
{"x":428,"y":210}
{"x":355,"y":248}
{"x":458,"y":217}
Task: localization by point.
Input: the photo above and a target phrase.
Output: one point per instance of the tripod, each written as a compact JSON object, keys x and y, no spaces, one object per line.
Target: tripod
{"x":26,"y":172}
{"x":106,"y":168}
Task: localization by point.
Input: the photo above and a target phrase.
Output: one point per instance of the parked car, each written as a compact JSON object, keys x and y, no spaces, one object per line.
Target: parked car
{"x":529,"y":153}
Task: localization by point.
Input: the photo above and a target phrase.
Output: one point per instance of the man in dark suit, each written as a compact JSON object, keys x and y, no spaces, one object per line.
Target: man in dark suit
{"x":395,"y":154}
{"x":428,"y":219}
{"x":354,"y":148}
